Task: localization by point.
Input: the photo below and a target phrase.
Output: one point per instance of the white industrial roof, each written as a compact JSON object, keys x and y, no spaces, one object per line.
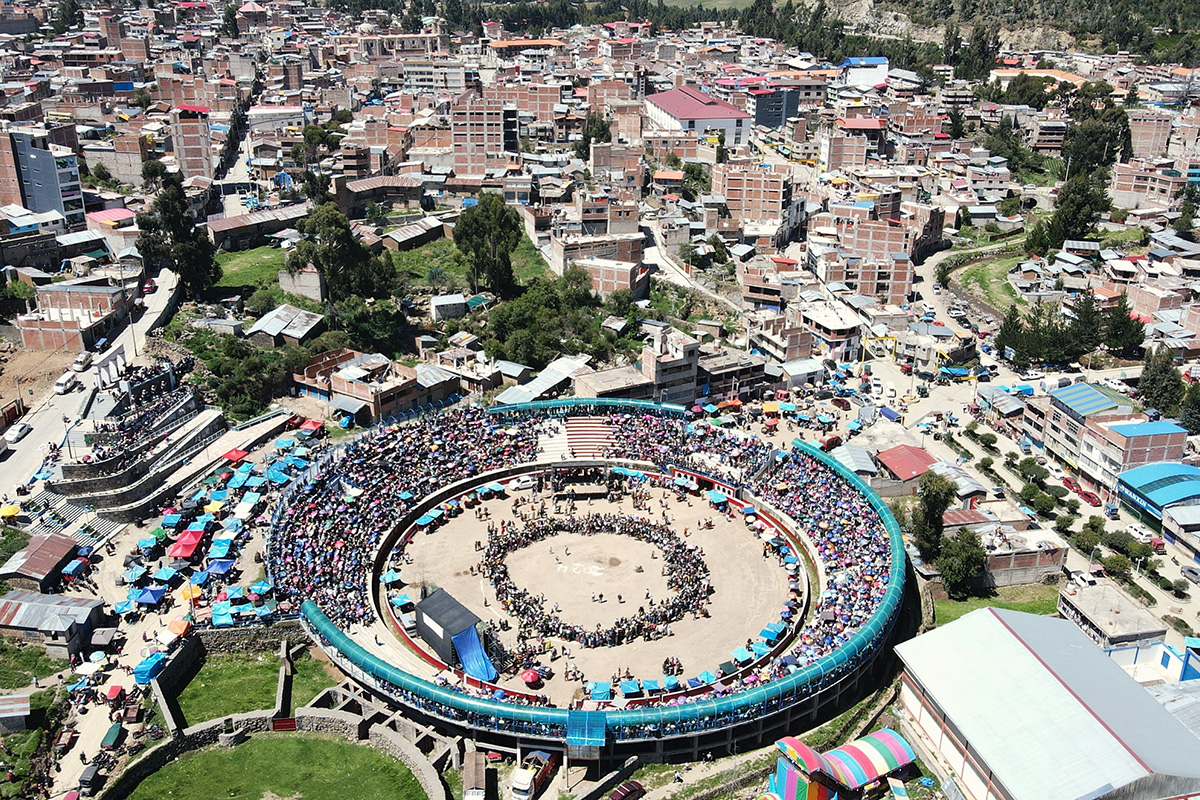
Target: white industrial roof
{"x":1047,"y":712}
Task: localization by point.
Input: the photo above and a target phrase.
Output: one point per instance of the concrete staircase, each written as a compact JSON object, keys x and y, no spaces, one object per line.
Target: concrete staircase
{"x":589,"y":437}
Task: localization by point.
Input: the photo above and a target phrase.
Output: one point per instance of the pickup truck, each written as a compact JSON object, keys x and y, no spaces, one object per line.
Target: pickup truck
{"x":533,"y":774}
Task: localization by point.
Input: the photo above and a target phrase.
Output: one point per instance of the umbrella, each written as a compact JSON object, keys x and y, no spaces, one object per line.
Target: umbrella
{"x":262,"y":587}
{"x":190,"y":591}
{"x":146,"y":543}
{"x":123,"y":607}
{"x":165,"y":574}
{"x":151,"y":596}
{"x":9,"y":511}
{"x":234,"y":592}
{"x":134,"y":574}
{"x":531,"y":676}
{"x":220,"y":566}
{"x":97,"y":656}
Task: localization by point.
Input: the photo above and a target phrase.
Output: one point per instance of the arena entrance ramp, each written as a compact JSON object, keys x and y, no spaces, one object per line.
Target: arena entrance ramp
{"x":470,"y":653}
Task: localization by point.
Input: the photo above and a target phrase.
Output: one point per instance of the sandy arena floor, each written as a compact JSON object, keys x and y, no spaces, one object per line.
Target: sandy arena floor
{"x":749,"y":589}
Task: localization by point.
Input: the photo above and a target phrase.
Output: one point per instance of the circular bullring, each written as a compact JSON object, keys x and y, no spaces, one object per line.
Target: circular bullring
{"x":351,"y":518}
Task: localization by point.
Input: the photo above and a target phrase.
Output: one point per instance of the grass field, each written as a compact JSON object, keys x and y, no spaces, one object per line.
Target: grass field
{"x":527,"y":263}
{"x":305,"y":767}
{"x":18,"y":665}
{"x":234,"y":684}
{"x":258,"y":267}
{"x":990,"y":279}
{"x":1032,"y":599}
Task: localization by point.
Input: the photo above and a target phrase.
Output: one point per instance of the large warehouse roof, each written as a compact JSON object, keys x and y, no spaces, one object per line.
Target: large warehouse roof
{"x":1164,"y":483}
{"x":1047,"y":712}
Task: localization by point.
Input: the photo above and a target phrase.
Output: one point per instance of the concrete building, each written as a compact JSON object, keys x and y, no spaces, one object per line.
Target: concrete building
{"x":1065,"y":420}
{"x":1012,"y":706}
{"x":38,"y":565}
{"x":191,"y":139}
{"x":61,"y":624}
{"x":689,"y":109}
{"x":1142,"y":183}
{"x":73,"y":315}
{"x":40,"y":175}
{"x":671,"y":361}
{"x":1111,"y":447}
{"x":447,"y":306}
{"x":484,"y":135}
{"x":610,"y":276}
{"x":1108,"y":616}
{"x":1149,"y":131}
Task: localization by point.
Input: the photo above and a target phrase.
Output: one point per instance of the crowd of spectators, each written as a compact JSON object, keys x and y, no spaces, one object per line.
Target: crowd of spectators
{"x":683,"y":566}
{"x":322,"y":545}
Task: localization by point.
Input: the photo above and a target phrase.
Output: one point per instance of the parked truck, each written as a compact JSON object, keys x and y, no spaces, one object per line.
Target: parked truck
{"x":533,"y":774}
{"x":474,"y":776}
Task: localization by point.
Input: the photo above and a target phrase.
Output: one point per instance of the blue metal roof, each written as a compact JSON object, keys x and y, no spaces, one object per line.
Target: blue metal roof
{"x":1084,"y":399}
{"x":1160,"y":428}
{"x":1163,"y":484}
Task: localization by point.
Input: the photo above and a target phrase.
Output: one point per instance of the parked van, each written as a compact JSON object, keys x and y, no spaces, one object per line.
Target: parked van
{"x":91,"y":781}
{"x":66,"y":383}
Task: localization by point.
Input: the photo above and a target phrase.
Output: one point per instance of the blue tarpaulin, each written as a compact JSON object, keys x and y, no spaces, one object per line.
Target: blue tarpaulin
{"x":220,"y":566}
{"x":74,"y":568}
{"x":741,"y":655}
{"x":599,"y":691}
{"x":716,"y":497}
{"x":165,"y":574}
{"x":150,"y":596}
{"x":630,"y":687}
{"x":171,"y":520}
{"x":650,"y":686}
{"x":888,"y":413}
{"x":134,"y":574}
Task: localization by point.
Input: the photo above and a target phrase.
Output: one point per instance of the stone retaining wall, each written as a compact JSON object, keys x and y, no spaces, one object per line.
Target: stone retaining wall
{"x":396,"y":745}
{"x":253,"y":638}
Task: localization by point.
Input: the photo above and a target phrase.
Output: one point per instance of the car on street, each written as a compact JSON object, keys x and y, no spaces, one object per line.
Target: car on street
{"x":17,"y":432}
{"x":149,"y":286}
{"x":82,"y":362}
{"x":524,"y":482}
{"x":1071,"y":484}
{"x":1191,"y":573}
{"x":1055,"y":471}
{"x":629,"y":790}
{"x":1091,"y":498}
{"x":1032,"y":375}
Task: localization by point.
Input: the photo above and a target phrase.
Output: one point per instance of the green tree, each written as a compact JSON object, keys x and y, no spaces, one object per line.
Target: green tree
{"x":958,"y":124}
{"x":1085,"y":328}
{"x":1037,"y":241}
{"x":1116,"y":565}
{"x":1086,"y":541}
{"x":1080,"y":203}
{"x":229,"y":23}
{"x":935,"y":494}
{"x":488,"y":233}
{"x":1072,"y":506}
{"x":69,"y":15}
{"x":1123,"y":333}
{"x":142,"y":98}
{"x":1185,"y":223}
{"x":152,"y":174}
{"x":941,"y":274}
{"x":1062,"y":525}
{"x":687,"y":253}
{"x":1189,"y":410}
{"x":101,"y":173}
{"x":169,"y":238}
{"x":331,"y":248}
{"x":1161,"y":386}
{"x":962,"y":557}
{"x":1179,"y":587}
{"x":720,"y":253}
{"x":1012,"y":335}
{"x":595,"y":129}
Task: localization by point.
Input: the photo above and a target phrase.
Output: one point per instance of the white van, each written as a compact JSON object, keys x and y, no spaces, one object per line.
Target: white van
{"x":891,"y":389}
{"x":66,"y":383}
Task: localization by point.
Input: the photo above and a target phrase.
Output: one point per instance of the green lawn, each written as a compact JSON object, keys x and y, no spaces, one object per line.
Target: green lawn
{"x":18,"y":665}
{"x":289,"y":766}
{"x":1032,"y":599}
{"x":527,"y":263}
{"x":235,"y":684}
{"x":258,"y":267}
{"x":989,"y":279}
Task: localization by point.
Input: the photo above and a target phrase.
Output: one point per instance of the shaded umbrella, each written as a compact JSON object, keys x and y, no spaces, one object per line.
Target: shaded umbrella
{"x":123,"y":607}
{"x":262,"y":587}
{"x":97,"y":656}
{"x":531,"y":676}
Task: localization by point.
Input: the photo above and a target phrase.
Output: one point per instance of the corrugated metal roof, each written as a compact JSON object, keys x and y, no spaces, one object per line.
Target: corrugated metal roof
{"x":1084,"y":399}
{"x":43,"y":612}
{"x":1046,"y":711}
{"x":1160,"y":428}
{"x":40,"y":557}
{"x":905,"y":461}
{"x":14,"y":705}
{"x":286,"y":320}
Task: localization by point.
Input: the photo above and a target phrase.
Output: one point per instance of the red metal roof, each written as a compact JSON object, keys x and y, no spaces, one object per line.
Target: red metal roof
{"x":862,"y":123}
{"x":688,"y":103}
{"x":111,"y":215}
{"x":38,"y":559}
{"x":905,"y":461}
{"x":194,"y":109}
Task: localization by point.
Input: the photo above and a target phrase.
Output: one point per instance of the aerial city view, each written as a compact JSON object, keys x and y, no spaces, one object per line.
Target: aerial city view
{"x":447,"y":400}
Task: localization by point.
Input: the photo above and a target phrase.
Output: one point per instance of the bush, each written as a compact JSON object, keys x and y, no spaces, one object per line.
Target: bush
{"x":986,"y":463}
{"x":1072,"y":506}
{"x":988,"y":440}
{"x":1057,"y":492}
{"x":1117,"y":565}
{"x":1086,"y":541}
{"x":1044,"y":504}
{"x":1118,"y":541}
{"x":1062,"y":525}
{"x":1179,"y":587}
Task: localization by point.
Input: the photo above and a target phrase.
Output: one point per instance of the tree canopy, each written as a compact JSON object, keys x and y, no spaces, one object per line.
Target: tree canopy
{"x":331,"y":247}
{"x":935,"y":494}
{"x":169,"y":238}
{"x":962,"y":557}
{"x":488,"y":233}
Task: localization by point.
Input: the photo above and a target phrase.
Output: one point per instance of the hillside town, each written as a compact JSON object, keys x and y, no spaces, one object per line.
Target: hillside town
{"x":239,"y":243}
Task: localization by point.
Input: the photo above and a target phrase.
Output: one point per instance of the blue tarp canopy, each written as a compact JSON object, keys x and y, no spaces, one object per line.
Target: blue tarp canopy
{"x":123,"y":607}
{"x":171,"y":520}
{"x":262,"y":587}
{"x":854,"y":425}
{"x":285,"y":443}
{"x":237,"y":481}
{"x":630,"y":687}
{"x":496,"y":487}
{"x":199,"y":578}
{"x":707,"y":677}
{"x":255,"y":481}
{"x":252,"y":498}
{"x":681,"y":480}
{"x":391,"y":576}
{"x":742,"y":654}
{"x":788,"y":407}
{"x":150,"y":596}
{"x":147,"y":543}
{"x":406,"y":495}
{"x":716,"y":497}
{"x":599,"y":691}
{"x":769,"y":633}
{"x":824,"y":420}
{"x":954,"y":372}
{"x":275,"y":476}
{"x":74,"y":568}
{"x":234,"y":592}
{"x":888,"y":413}
{"x":748,"y":510}
{"x":221,"y":495}
{"x":134,"y":574}
{"x":710,"y":408}
{"x":670,"y":683}
{"x":220,"y":566}
{"x":148,"y":669}
{"x":424,"y":519}
{"x":760,"y":648}
{"x":401,"y":600}
{"x":165,"y":574}
{"x":219,"y":548}
{"x":650,"y":686}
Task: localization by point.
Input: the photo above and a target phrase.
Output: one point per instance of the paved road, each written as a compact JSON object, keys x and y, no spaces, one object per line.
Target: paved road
{"x":47,"y":412}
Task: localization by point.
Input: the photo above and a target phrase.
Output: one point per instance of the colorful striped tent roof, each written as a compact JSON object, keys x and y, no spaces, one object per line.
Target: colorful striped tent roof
{"x":856,"y":764}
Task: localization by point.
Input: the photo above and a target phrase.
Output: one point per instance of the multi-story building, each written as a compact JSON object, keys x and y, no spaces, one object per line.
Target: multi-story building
{"x":1112,"y":445}
{"x":1064,"y":421}
{"x":191,"y":138}
{"x":841,"y":151}
{"x":40,"y":175}
{"x":757,"y":192}
{"x":1146,"y":183}
{"x":432,"y":76}
{"x":837,"y":330}
{"x":671,"y":360}
{"x":484,"y":134}
{"x":1149,"y":131}
{"x":689,"y":109}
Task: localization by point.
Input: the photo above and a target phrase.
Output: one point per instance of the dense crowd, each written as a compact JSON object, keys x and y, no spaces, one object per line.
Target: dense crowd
{"x":120,"y":435}
{"x":850,"y":540}
{"x":683,"y":566}
{"x":321,"y":549}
